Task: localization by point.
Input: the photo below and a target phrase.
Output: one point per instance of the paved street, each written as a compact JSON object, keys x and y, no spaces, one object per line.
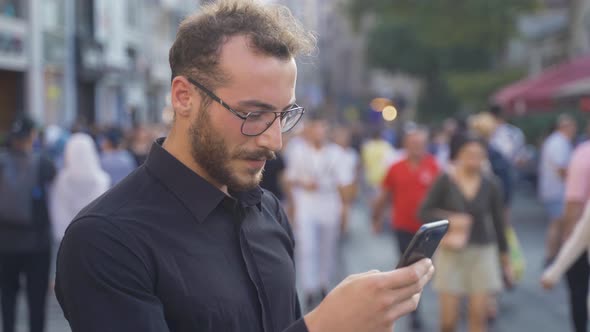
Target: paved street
{"x":528,"y":308}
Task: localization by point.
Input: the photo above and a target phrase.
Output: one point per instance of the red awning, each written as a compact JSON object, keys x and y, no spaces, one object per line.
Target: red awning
{"x":541,"y":92}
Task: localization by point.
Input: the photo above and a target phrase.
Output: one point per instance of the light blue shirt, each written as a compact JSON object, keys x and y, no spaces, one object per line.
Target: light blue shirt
{"x":118,"y":164}
{"x":555,"y":154}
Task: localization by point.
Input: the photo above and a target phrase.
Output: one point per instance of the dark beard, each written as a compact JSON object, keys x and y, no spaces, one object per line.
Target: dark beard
{"x":210,"y":151}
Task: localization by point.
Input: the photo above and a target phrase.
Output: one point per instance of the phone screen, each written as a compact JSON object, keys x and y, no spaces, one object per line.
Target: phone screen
{"x":424,"y":243}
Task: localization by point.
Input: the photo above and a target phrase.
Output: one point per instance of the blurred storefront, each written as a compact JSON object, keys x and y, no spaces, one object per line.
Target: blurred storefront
{"x":164,"y":18}
{"x":556,"y":86}
{"x":89,"y":62}
{"x":14,"y":60}
{"x":54,"y":62}
{"x":32,"y":60}
{"x":119,"y":90}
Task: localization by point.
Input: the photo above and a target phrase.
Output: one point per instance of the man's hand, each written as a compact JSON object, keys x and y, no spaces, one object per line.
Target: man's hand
{"x":377,"y":224}
{"x":461,"y":219}
{"x":344,"y":218}
{"x":507,"y":271}
{"x":547,"y":281}
{"x":310,"y":186}
{"x":372,"y":301}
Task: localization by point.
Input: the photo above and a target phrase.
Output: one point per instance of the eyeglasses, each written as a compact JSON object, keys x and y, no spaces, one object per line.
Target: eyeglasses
{"x":256,"y":123}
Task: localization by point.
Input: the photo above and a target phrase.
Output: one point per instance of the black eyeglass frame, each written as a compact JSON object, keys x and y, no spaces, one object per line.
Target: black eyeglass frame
{"x":244,"y":117}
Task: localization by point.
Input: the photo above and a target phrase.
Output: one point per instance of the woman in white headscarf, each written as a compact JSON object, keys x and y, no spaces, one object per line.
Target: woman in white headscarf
{"x":78,"y":183}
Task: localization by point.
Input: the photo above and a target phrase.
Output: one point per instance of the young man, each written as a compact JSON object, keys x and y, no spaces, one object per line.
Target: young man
{"x":317,"y":180}
{"x":25,"y":229}
{"x":407,"y":182}
{"x":189,"y":241}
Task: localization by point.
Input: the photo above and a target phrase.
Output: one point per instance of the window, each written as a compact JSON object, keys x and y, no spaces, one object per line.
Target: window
{"x":12,"y":8}
{"x":133,"y":10}
{"x":85,"y":17}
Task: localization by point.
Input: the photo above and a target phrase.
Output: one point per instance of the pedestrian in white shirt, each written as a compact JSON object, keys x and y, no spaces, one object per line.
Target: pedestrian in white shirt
{"x":317,"y":178}
{"x":508,"y":139}
{"x":78,"y":183}
{"x":555,"y":157}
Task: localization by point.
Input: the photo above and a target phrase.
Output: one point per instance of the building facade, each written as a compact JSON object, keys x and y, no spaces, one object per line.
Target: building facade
{"x":14,"y":59}
{"x":89,"y":62}
{"x":335,"y":77}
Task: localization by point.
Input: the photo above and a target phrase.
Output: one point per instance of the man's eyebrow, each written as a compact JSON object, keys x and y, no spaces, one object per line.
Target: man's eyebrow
{"x":262,"y":105}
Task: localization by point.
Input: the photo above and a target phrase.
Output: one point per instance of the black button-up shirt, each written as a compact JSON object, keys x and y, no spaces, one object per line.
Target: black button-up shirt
{"x":167,"y":251}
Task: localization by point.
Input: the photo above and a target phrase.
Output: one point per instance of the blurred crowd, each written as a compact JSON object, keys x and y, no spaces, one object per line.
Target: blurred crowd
{"x":62,"y":171}
{"x":465,"y":171}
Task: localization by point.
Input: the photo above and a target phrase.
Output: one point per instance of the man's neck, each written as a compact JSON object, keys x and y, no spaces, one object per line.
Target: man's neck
{"x":180,"y":149}
{"x":564,"y":134}
{"x":467,"y":173}
{"x":316,"y":145}
{"x":415,"y":160}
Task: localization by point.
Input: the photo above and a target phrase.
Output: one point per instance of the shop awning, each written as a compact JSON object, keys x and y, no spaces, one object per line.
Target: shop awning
{"x":542,"y":92}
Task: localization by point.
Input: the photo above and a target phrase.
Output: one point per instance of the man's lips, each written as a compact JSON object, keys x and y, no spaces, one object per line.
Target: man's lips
{"x":255,"y":163}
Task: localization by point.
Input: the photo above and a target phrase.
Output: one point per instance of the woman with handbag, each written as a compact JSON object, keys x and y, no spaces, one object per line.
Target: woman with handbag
{"x":467,"y":261}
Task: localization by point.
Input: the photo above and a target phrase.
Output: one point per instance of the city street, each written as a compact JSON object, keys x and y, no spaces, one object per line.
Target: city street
{"x":87,"y":88}
{"x":527,"y":308}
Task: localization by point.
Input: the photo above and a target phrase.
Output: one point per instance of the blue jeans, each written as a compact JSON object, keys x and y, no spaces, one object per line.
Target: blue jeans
{"x":554,"y":208}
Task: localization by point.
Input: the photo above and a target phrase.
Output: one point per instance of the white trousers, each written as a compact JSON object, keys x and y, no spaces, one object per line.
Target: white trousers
{"x":316,"y":251}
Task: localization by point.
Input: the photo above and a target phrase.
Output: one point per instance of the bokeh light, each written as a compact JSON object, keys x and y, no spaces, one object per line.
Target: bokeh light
{"x":378,"y":104}
{"x":389,"y":113}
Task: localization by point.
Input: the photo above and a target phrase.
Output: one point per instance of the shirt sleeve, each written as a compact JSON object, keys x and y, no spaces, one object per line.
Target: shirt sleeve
{"x":388,"y":182}
{"x":103,"y":284}
{"x":561,"y":153}
{"x":502,"y":169}
{"x":433,"y":201}
{"x":298,"y":326}
{"x":577,"y":188}
{"x":497,"y":212}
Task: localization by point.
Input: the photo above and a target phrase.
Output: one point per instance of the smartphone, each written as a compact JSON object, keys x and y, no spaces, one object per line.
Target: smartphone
{"x":424,"y":243}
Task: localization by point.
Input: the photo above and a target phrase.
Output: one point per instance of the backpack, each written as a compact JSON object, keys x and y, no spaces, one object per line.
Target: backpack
{"x":19,"y":177}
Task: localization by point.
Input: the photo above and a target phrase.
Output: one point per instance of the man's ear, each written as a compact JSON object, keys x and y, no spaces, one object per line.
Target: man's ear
{"x":183,"y":97}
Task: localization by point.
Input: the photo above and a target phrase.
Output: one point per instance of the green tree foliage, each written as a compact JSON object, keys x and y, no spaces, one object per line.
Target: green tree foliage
{"x":434,"y":38}
{"x":473,"y":88}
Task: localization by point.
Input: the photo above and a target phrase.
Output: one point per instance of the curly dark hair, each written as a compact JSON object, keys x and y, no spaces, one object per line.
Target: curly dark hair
{"x":271,"y":30}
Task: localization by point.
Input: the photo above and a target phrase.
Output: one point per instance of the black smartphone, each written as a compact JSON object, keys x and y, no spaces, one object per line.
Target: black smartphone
{"x":424,"y":243}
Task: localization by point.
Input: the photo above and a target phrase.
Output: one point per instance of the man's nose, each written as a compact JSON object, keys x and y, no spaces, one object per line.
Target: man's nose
{"x":272,"y":138}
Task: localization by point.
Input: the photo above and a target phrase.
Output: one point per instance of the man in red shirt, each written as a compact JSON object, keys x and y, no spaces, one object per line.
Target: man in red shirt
{"x":406,"y":184}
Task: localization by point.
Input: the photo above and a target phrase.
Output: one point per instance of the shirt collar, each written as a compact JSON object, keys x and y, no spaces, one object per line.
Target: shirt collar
{"x":198,"y":196}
